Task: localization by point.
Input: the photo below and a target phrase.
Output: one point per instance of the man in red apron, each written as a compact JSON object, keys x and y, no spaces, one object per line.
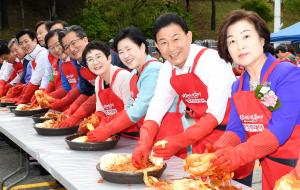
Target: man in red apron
{"x":200,"y":78}
{"x":74,"y":40}
{"x":264,"y":118}
{"x":39,"y":61}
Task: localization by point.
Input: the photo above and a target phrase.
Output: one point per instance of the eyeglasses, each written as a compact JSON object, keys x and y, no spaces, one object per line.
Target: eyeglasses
{"x":97,"y":58}
{"x":56,"y":46}
{"x":72,"y":43}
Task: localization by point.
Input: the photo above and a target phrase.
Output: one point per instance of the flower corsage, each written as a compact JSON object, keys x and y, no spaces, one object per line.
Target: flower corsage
{"x":267,"y":97}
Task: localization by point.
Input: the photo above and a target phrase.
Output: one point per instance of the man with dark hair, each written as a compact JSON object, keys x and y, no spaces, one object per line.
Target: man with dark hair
{"x":283,"y":54}
{"x":39,"y":61}
{"x":199,"y":77}
{"x":81,"y":99}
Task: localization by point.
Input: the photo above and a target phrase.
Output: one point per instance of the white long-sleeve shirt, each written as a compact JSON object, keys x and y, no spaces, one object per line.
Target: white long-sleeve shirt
{"x":213,"y":71}
{"x":120,"y":86}
{"x":6,"y":70}
{"x":39,"y":75}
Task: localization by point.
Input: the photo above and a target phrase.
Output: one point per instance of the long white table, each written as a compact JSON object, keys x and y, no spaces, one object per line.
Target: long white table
{"x":75,"y":170}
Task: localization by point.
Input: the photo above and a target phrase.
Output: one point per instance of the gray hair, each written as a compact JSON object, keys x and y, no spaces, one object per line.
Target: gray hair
{"x":12,"y":42}
{"x":74,"y":28}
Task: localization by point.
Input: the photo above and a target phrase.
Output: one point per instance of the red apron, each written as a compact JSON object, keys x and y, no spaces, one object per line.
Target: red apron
{"x":195,"y":95}
{"x":55,"y":70}
{"x":88,"y":75}
{"x":18,"y":69}
{"x":171,"y":123}
{"x":112,"y":104}
{"x":255,"y":117}
{"x":70,"y":72}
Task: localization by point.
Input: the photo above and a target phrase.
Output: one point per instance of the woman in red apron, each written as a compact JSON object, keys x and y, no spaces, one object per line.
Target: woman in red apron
{"x":141,"y":86}
{"x":264,"y":118}
{"x":112,"y":82}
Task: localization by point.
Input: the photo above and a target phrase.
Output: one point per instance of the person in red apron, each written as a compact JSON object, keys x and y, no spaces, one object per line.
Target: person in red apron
{"x":264,"y":117}
{"x":56,"y":55}
{"x":39,"y":62}
{"x":12,"y":73}
{"x":198,"y":76}
{"x":111,"y":85}
{"x":80,"y":100}
{"x":131,"y":46}
{"x":17,"y":84}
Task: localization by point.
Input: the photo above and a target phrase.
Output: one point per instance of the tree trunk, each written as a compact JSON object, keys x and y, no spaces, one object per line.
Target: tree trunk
{"x":213,"y":15}
{"x":22,"y":13}
{"x":3,"y":15}
{"x":187,"y":4}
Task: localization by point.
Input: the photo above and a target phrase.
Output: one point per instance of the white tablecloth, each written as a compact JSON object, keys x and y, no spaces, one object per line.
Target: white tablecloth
{"x":73,"y":169}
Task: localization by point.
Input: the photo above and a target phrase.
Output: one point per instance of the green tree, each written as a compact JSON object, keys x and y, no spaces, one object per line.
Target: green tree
{"x":101,"y":19}
{"x":292,"y":5}
{"x":260,"y":7}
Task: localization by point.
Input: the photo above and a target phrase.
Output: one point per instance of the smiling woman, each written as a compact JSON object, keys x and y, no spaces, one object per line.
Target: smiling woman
{"x":260,"y":127}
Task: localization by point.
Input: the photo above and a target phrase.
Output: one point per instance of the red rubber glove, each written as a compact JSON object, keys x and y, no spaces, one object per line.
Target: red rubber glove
{"x":59,"y":93}
{"x":104,"y":120}
{"x":141,"y":153}
{"x":118,"y":124}
{"x":75,"y":105}
{"x":193,"y":134}
{"x":258,"y":146}
{"x":229,"y":138}
{"x":60,"y":104}
{"x":2,"y":87}
{"x":85,"y":110}
{"x":29,"y":92}
{"x":7,"y":87}
{"x":15,"y":91}
{"x":50,"y":87}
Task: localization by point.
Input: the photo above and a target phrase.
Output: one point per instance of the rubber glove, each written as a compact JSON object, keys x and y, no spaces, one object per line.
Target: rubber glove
{"x":116,"y":125}
{"x":60,"y":104}
{"x":15,"y":91}
{"x":86,"y":109}
{"x":50,"y":87}
{"x":258,"y":146}
{"x":193,"y":134}
{"x":75,"y":105}
{"x":59,"y":93}
{"x":6,"y":88}
{"x":2,"y":87}
{"x":29,"y":92}
{"x":141,"y":153}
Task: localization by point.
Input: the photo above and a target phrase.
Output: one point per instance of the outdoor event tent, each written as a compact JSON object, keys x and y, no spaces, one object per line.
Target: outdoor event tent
{"x":291,"y":33}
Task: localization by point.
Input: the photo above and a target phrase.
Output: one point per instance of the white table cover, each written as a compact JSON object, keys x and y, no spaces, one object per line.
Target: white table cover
{"x":75,"y":170}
